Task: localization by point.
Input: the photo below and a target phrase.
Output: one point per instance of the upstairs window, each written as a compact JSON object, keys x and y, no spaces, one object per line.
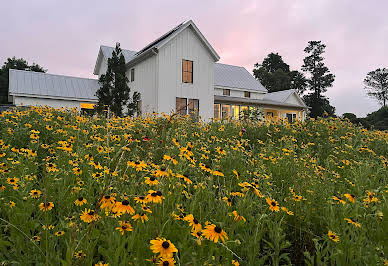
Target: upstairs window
{"x":247,"y":94}
{"x":187,"y":71}
{"x":132,"y":74}
{"x":226,"y":92}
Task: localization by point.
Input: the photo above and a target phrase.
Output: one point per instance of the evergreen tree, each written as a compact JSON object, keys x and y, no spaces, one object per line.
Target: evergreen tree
{"x":319,"y":79}
{"x":114,"y":90}
{"x":14,"y":63}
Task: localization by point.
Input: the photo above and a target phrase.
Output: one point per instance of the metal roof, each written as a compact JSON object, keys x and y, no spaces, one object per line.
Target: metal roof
{"x":107,"y":51}
{"x":235,"y":77}
{"x":279,"y":96}
{"x":29,"y":83}
{"x":229,"y":99}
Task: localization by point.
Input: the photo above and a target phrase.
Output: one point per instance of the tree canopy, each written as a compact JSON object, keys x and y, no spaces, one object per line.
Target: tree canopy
{"x":14,"y":63}
{"x":376,"y":84}
{"x":275,"y":75}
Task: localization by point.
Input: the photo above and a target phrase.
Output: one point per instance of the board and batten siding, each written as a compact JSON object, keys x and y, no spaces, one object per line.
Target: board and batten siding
{"x":55,"y":103}
{"x":146,"y":83}
{"x":188,"y":46}
{"x":239,"y":93}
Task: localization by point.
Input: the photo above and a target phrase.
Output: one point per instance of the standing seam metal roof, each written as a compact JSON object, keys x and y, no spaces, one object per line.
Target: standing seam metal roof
{"x":58,"y":86}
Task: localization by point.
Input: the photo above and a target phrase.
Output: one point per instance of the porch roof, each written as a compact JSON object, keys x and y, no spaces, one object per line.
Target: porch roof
{"x":228,"y":99}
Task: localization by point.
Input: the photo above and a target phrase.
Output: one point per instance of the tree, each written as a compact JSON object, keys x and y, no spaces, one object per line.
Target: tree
{"x":376,"y":84}
{"x":14,"y":63}
{"x":275,"y":75}
{"x":114,"y":90}
{"x":319,"y":79}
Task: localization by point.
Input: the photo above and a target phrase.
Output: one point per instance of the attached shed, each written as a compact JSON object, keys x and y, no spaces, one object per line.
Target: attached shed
{"x":27,"y":88}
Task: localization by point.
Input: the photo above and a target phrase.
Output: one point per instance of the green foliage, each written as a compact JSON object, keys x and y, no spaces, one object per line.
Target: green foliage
{"x":319,"y":79}
{"x":376,"y":120}
{"x":114,"y":92}
{"x":376,"y":84}
{"x":307,"y":168}
{"x":14,"y":63}
{"x":275,"y":75}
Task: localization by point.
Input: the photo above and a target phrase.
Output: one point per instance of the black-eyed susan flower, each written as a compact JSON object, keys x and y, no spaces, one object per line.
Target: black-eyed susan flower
{"x":161,"y":172}
{"x":35,"y":238}
{"x":163,"y":246}
{"x":151,"y":181}
{"x":80,"y":255}
{"x":124,"y":227}
{"x":80,"y":201}
{"x":353,"y":222}
{"x":198,"y":235}
{"x":337,"y":198}
{"x":166,"y":261}
{"x":333,"y":236}
{"x":287,"y":211}
{"x":89,"y":216}
{"x":12,"y":204}
{"x":140,"y":199}
{"x":142,"y":216}
{"x":237,"y":217}
{"x":46,"y":206}
{"x":350,"y":197}
{"x":12,"y":180}
{"x":107,"y":202}
{"x":235,"y":263}
{"x":100,"y":263}
{"x":51,"y":167}
{"x":77,"y":171}
{"x":35,"y":193}
{"x":59,"y":233}
{"x":193,"y":222}
{"x":236,"y":173}
{"x":273,"y":205}
{"x":154,"y":196}
{"x":214,"y":232}
{"x":123,"y":207}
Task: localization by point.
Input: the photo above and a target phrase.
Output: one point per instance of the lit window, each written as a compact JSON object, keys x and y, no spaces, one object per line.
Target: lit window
{"x":217,"y":110}
{"x":235,"y":112}
{"x":187,"y":71}
{"x":194,"y":107}
{"x":225,"y":111}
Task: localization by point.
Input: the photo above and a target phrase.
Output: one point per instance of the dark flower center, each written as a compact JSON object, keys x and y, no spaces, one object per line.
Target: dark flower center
{"x":80,"y":199}
{"x":229,"y":200}
{"x":154,"y":194}
{"x":163,"y":169}
{"x":46,"y":204}
{"x":152,"y":178}
{"x":217,"y":229}
{"x":159,"y":193}
{"x":124,"y":227}
{"x":195,"y":221}
{"x":91,"y":213}
{"x":199,"y":233}
{"x":141,"y":197}
{"x":165,"y":245}
{"x":352,"y":196}
{"x":35,"y":192}
{"x":107,"y":197}
{"x":166,"y":263}
{"x":273,"y":203}
{"x":125,"y":202}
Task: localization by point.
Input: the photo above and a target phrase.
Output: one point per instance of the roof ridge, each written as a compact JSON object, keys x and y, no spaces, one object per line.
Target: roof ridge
{"x":230,"y":65}
{"x":44,"y":73}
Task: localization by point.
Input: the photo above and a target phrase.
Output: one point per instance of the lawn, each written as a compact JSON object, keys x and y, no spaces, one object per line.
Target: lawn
{"x":165,"y":190}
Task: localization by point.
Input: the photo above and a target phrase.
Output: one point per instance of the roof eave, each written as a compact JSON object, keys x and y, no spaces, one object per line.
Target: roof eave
{"x":141,"y":57}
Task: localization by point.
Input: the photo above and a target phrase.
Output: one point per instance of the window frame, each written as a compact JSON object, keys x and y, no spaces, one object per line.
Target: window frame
{"x":187,"y":79}
{"x":132,"y":74}
{"x":226,"y":92}
{"x":193,"y":107}
{"x":247,"y":94}
{"x":181,"y":111}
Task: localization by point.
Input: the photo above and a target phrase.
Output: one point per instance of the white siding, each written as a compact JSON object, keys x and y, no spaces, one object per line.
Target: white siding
{"x":293,"y":99}
{"x":146,"y":83}
{"x":103,"y":66}
{"x":185,"y":45}
{"x":30,"y":101}
{"x":239,"y":93}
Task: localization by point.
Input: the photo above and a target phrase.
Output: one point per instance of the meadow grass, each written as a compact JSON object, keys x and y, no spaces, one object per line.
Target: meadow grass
{"x":94,"y":191}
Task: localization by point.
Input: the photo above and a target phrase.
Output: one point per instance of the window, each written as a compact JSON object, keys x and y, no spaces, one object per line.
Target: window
{"x":269,"y":114}
{"x":217,"y":110}
{"x":247,"y":94}
{"x":187,"y":71}
{"x":291,"y":117}
{"x":194,"y":107}
{"x":226,"y":92}
{"x":132,"y":74}
{"x":225,"y":111}
{"x":235,"y":112}
{"x":181,"y":106}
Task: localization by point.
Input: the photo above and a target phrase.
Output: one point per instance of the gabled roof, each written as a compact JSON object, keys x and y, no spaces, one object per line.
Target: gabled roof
{"x":132,"y":57}
{"x":43,"y":85}
{"x":228,"y":99}
{"x":282,"y":96}
{"x":235,"y":77}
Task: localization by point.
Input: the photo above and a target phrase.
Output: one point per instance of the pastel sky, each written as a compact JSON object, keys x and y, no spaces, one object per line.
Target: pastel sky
{"x":64,"y":36}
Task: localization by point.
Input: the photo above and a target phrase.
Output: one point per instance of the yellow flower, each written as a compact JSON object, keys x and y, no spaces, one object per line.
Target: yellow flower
{"x":163,"y":246}
{"x":214,"y":232}
{"x":142,"y":216}
{"x":107,"y":202}
{"x":124,"y":226}
{"x":353,"y":222}
{"x":59,"y":233}
{"x":333,"y":236}
{"x":273,"y":205}
{"x":123,"y":207}
{"x":89,"y":216}
{"x":12,"y":180}
{"x":154,"y":196}
{"x":80,"y":201}
{"x":46,"y":206}
{"x":194,"y":223}
{"x":166,"y":261}
{"x":237,"y":217}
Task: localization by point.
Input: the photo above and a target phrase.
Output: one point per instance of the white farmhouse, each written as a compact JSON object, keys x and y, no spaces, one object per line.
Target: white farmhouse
{"x":175,"y":73}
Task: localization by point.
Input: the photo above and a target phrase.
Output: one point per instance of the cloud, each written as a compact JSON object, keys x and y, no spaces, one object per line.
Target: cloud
{"x":65,"y":36}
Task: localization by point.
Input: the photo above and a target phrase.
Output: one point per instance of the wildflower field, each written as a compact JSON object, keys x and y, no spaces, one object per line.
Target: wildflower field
{"x":166,"y":190}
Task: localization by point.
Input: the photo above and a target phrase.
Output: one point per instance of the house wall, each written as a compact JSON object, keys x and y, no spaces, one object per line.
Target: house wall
{"x":293,"y":99}
{"x":239,"y":93}
{"x":185,"y":45}
{"x":146,"y":83}
{"x":55,"y":103}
